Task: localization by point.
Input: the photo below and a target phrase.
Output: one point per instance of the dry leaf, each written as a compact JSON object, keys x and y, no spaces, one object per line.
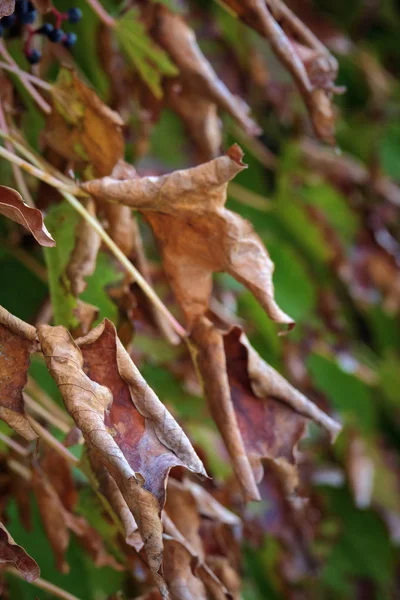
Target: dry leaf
{"x":81,"y":128}
{"x":259,"y":414}
{"x":197,"y":234}
{"x":13,"y":207}
{"x":13,"y":555}
{"x":7,"y":7}
{"x":198,"y":81}
{"x":125,"y":424}
{"x":312,"y":66}
{"x":17,"y":341}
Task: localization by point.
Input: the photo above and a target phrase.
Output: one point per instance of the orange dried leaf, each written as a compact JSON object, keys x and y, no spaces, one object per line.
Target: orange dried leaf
{"x":13,"y":207}
{"x":197,"y":235}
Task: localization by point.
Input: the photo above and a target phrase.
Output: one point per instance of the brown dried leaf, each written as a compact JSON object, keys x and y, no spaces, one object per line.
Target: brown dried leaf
{"x":7,"y":7}
{"x":13,"y":555}
{"x":125,"y":424}
{"x":81,"y":128}
{"x":195,"y":72}
{"x":17,"y":341}
{"x":197,"y":234}
{"x":312,"y":66}
{"x":13,"y":207}
{"x":258,"y":413}
{"x":83,"y":258}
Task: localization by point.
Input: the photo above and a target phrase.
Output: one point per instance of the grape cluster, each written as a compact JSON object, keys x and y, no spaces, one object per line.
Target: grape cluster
{"x":21,"y":23}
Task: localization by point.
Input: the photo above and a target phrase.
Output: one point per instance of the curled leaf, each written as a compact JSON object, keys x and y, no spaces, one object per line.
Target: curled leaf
{"x":13,"y":555}
{"x":197,"y":235}
{"x":81,"y":128}
{"x":259,"y":414}
{"x":196,"y":73}
{"x":17,"y":342}
{"x":13,"y":207}
{"x":7,"y":7}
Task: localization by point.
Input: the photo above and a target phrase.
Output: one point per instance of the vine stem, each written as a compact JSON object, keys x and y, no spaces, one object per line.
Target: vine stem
{"x":125,"y":262}
{"x":101,"y":12}
{"x":51,"y":441}
{"x":28,"y":76}
{"x":45,"y":585}
{"x":41,"y":102}
{"x":29,"y":168}
{"x":69,"y":192}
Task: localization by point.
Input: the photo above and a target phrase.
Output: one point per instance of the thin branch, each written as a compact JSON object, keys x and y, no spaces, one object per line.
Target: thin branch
{"x":45,"y":585}
{"x":49,"y":179}
{"x":245,"y":196}
{"x":19,"y":178}
{"x":28,"y":76}
{"x":41,"y":102}
{"x":45,"y":414}
{"x":41,"y":396}
{"x":14,"y":445}
{"x":19,"y":469}
{"x":51,"y":441}
{"x":101,"y":12}
{"x":29,"y":261}
{"x":125,"y":262}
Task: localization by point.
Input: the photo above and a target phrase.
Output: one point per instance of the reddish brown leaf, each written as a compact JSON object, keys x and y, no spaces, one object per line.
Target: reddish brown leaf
{"x":125,"y":424}
{"x":13,"y":207}
{"x":17,"y":341}
{"x":13,"y":555}
{"x":258,"y":413}
{"x":197,"y":235}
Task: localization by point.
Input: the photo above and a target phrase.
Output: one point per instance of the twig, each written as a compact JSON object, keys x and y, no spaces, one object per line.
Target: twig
{"x":256,"y":148}
{"x":42,"y":412}
{"x":19,"y":178}
{"x":14,"y":445}
{"x":101,"y":12}
{"x":125,"y":262}
{"x":19,"y":469}
{"x":45,"y":585}
{"x":51,"y":441}
{"x":28,"y":76}
{"x":49,"y":179}
{"x":41,"y":102}
{"x":41,"y":396}
{"x":245,"y":196}
{"x":27,"y":260}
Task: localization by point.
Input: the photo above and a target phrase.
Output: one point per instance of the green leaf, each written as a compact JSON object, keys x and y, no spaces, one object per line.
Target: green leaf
{"x":104,"y":275}
{"x":61,"y":221}
{"x":348,"y":394}
{"x":149,"y":59}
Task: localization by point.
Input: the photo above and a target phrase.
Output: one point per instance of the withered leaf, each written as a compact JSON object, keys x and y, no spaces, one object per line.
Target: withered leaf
{"x":13,"y":207}
{"x":197,"y":234}
{"x":259,"y":414}
{"x":125,"y":424}
{"x":312,"y":66}
{"x":7,"y":8}
{"x":58,"y":521}
{"x":13,"y":555}
{"x":195,"y":72}
{"x":17,"y":341}
{"x":81,"y":128}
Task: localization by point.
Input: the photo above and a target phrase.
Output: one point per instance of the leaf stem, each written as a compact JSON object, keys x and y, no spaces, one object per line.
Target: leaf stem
{"x":51,"y":441}
{"x":41,"y":396}
{"x":101,"y":12}
{"x":45,"y":414}
{"x":14,"y":445}
{"x":29,"y":168}
{"x":45,"y":585}
{"x":13,"y":68}
{"x":125,"y":262}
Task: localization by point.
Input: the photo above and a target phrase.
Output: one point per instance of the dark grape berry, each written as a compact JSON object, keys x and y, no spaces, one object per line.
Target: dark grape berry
{"x":8,"y":21}
{"x":45,"y":29}
{"x":29,"y":17}
{"x":56,"y":35}
{"x":69,"y":40}
{"x":1,"y":31}
{"x":74,"y":15}
{"x":33,"y":56}
{"x":21,"y":7}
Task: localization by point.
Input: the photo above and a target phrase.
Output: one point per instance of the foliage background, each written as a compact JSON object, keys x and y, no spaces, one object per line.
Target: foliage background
{"x":336,"y":255}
